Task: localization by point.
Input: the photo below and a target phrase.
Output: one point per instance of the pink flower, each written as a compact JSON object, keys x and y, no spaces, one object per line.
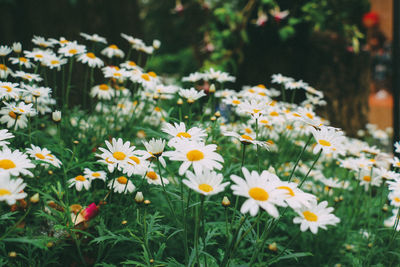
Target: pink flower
{"x":90,"y":211}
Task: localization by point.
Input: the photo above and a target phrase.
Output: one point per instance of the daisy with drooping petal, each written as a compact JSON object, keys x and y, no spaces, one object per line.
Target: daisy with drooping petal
{"x":117,"y":155}
{"x":198,"y":155}
{"x":54,"y":62}
{"x":14,"y":162}
{"x":295,"y":197}
{"x":41,"y":41}
{"x":153,"y":178}
{"x":102,"y":91}
{"x":206,"y":183}
{"x":43,"y":154}
{"x":178,"y":132}
{"x":94,"y":175}
{"x":22,"y":61}
{"x":328,"y":139}
{"x":253,"y":107}
{"x":72,"y":49}
{"x":132,"y":40}
{"x":4,"y":71}
{"x":10,"y":90}
{"x":91,"y":59}
{"x":112,"y":51}
{"x":5,"y":50}
{"x":315,"y":216}
{"x":394,"y":198}
{"x":13,"y":120}
{"x":138,"y":163}
{"x":156,"y":147}
{"x":28,"y":76}
{"x":79,"y":182}
{"x":368,"y":178}
{"x":122,"y":184}
{"x":4,"y":135}
{"x":94,"y":38}
{"x":191,"y":95}
{"x":260,"y":191}
{"x":11,"y":190}
{"x":246,"y":139}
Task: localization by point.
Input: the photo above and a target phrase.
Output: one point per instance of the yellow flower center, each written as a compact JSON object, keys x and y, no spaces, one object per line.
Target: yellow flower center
{"x":40,"y":156}
{"x":264,"y":121}
{"x":64,"y":41}
{"x":8,"y":88}
{"x":256,"y":111}
{"x":119,"y":155}
{"x":135,"y":159}
{"x":12,"y":115}
{"x":90,"y":55}
{"x":80,"y":178}
{"x":103,"y":87}
{"x":323,"y":142}
{"x":158,"y":109}
{"x":274,"y":113}
{"x":262,"y":94}
{"x":96,"y":174}
{"x":152,"y":74}
{"x":117,"y":74}
{"x":131,"y":63}
{"x":145,"y":77}
{"x":397,"y":199}
{"x":73,"y":51}
{"x":258,"y":193}
{"x":22,"y":59}
{"x":296,"y":115}
{"x":309,"y":216}
{"x":248,"y":130}
{"x":7,"y":164}
{"x":109,"y":161}
{"x":152,"y":175}
{"x":39,"y":56}
{"x":4,"y":192}
{"x":246,"y":137}
{"x":287,"y":188}
{"x":54,"y":62}
{"x":236,"y":102}
{"x":113,"y":46}
{"x":206,"y":188}
{"x":195,"y":155}
{"x":367,"y":178}
{"x":3,"y":67}
{"x":122,"y":180}
{"x":309,"y":115}
{"x":261,"y":86}
{"x":183,"y":134}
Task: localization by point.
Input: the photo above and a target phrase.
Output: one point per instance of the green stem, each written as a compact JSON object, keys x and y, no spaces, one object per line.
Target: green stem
{"x":312,"y":166}
{"x":165,"y":191}
{"x":299,"y":157}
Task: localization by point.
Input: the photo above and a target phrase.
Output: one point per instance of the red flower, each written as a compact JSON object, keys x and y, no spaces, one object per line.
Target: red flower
{"x":370,"y":19}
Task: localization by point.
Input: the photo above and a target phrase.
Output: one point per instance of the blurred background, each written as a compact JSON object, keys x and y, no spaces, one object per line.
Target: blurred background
{"x":341,"y":47}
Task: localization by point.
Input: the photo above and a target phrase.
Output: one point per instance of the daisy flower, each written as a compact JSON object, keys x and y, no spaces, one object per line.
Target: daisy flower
{"x":4,"y":71}
{"x":17,"y":47}
{"x":130,"y":65}
{"x":9,"y":90}
{"x":178,"y":132}
{"x":394,"y":185}
{"x":13,"y":120}
{"x":94,"y":38}
{"x":198,"y":155}
{"x":260,"y":191}
{"x":153,"y":178}
{"x":14,"y":163}
{"x":191,"y":95}
{"x":28,"y":76}
{"x":11,"y":190}
{"x":132,"y":40}
{"x":91,"y":59}
{"x":43,"y":154}
{"x":21,"y":61}
{"x":120,"y":184}
{"x":315,"y":216}
{"x":280,"y":79}
{"x":4,"y":135}
{"x":117,"y":155}
{"x":72,"y":49}
{"x":206,"y":183}
{"x":54,"y":62}
{"x":295,"y":197}
{"x":395,"y":162}
{"x":5,"y":50}
{"x":253,"y":107}
{"x":112,"y":51}
{"x":94,"y":175}
{"x":246,"y":139}
{"x":115,"y":72}
{"x":40,"y":41}
{"x":79,"y":182}
{"x":193,"y":77}
{"x":102,"y":91}
{"x":394,"y":198}
{"x":328,"y":139}
{"x":138,"y":164}
{"x":156,"y":147}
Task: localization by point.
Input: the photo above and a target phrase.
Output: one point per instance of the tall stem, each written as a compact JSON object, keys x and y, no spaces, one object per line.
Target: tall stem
{"x":299,"y":157}
{"x":312,"y":166}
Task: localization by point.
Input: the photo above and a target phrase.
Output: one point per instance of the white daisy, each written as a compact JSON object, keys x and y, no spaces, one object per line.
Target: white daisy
{"x":199,"y":155}
{"x":178,"y":132}
{"x":11,"y":190}
{"x":153,"y":178}
{"x":14,"y":162}
{"x":102,"y":91}
{"x":5,"y":50}
{"x":22,"y":61}
{"x":295,"y":197}
{"x":206,"y":183}
{"x":117,"y":155}
{"x":72,"y":49}
{"x":79,"y":182}
{"x":94,"y":38}
{"x":260,"y":191}
{"x":121,"y":185}
{"x":191,"y":95}
{"x":328,"y":139}
{"x":94,"y":175}
{"x":4,"y":135}
{"x":13,"y":120}
{"x":28,"y":76}
{"x":43,"y":154}
{"x":112,"y":51}
{"x":315,"y":216}
{"x":91,"y":59}
{"x":4,"y":71}
{"x":246,"y":139}
{"x":10,"y":90}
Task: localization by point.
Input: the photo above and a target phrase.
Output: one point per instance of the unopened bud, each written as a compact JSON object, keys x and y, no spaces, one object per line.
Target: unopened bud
{"x":156,"y":44}
{"x":385,"y":207}
{"x":226,"y":202}
{"x":180,"y":101}
{"x":217,"y":114}
{"x":147,"y":202}
{"x":124,"y":222}
{"x":272,"y":170}
{"x":17,"y":47}
{"x":49,"y":244}
{"x":75,"y":142}
{"x":190,"y":101}
{"x":213,"y":118}
{"x":35,"y":198}
{"x":12,"y":254}
{"x":212,"y":88}
{"x":56,"y":116}
{"x":273,"y":247}
{"x":139,"y":197}
{"x":50,"y":172}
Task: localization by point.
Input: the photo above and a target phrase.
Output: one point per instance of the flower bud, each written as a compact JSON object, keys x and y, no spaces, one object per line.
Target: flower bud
{"x":12,"y":254}
{"x":17,"y":47}
{"x":273,"y":247}
{"x":217,"y":114}
{"x":226,"y":202}
{"x":139,"y":197}
{"x":180,"y":101}
{"x":147,"y":202}
{"x":56,"y":115}
{"x":156,"y":44}
{"x":35,"y":198}
{"x":272,"y":170}
{"x":212,"y":88}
